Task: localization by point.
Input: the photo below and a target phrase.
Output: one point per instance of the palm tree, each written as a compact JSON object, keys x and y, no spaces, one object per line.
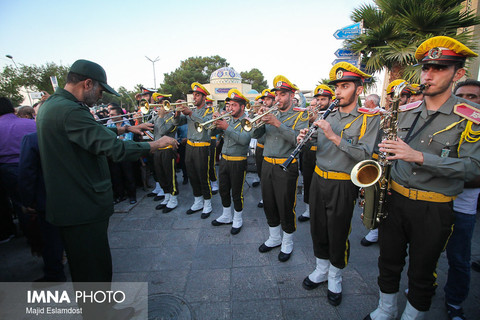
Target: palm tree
{"x":394,"y":29}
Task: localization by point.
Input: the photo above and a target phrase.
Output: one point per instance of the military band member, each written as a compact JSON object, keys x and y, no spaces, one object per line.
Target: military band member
{"x":157,"y":193}
{"x":268,"y":99}
{"x":416,"y":95}
{"x":279,"y":187}
{"x":258,"y":158}
{"x":197,"y":152}
{"x":322,"y":98}
{"x":233,"y":164}
{"x":404,"y":95}
{"x":164,"y":158}
{"x":344,"y":139}
{"x":437,"y":151}
{"x":213,"y":151}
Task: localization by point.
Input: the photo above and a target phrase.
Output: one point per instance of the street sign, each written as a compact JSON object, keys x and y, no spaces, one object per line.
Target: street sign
{"x":351,"y":61}
{"x":344,"y":53}
{"x":348,"y":32}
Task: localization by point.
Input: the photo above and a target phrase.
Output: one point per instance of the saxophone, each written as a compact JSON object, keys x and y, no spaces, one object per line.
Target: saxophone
{"x":373,"y":177}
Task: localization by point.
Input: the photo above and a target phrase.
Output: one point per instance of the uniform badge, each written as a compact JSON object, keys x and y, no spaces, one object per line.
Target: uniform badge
{"x":435,"y":53}
{"x":339,"y":74}
{"x":279,"y":84}
{"x":445,"y":152}
{"x":467,"y":111}
{"x":320,"y":91}
{"x":350,"y":141}
{"x":232,"y":96}
{"x":196,"y":88}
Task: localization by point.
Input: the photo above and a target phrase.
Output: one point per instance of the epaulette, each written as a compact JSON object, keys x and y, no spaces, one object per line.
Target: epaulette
{"x":410,"y":106}
{"x":468,"y":112}
{"x":376,"y":110}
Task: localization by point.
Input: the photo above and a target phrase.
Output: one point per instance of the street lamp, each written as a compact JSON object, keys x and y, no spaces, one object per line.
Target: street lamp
{"x":154,"y":79}
{"x":28,"y":93}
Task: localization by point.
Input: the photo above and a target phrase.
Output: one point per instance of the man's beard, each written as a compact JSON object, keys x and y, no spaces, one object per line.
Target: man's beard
{"x":90,"y":97}
{"x":347,"y":102}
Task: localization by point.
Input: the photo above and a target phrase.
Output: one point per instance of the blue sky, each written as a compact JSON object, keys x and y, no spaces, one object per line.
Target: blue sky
{"x":293,"y":38}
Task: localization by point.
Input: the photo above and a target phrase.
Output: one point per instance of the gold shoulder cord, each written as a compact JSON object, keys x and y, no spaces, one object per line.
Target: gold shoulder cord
{"x":299,"y":117}
{"x":468,"y":135}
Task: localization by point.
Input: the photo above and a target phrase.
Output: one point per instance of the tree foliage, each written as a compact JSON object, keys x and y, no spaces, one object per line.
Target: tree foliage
{"x":255,"y":78}
{"x":193,"y":69}
{"x":394,"y":29}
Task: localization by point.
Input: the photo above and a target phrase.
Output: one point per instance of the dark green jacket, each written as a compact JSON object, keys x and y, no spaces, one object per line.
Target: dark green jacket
{"x":73,"y":151}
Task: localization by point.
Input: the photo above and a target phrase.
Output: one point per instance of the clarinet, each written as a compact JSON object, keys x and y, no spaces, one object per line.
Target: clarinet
{"x":307,"y":137}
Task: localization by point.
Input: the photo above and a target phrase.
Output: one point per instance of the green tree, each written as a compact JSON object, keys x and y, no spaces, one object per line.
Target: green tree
{"x":34,"y":78}
{"x":394,"y":29}
{"x":255,"y":78}
{"x":193,"y":69}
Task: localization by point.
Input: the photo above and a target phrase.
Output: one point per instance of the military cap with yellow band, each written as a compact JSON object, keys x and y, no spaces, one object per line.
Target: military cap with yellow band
{"x":282,"y":83}
{"x":392,"y":85}
{"x":259,"y":97}
{"x":267,"y":93}
{"x":323,"y":90}
{"x":344,"y":71}
{"x":443,"y":50}
{"x":415,"y":88}
{"x":197,"y":87}
{"x":157,"y":96}
{"x":209,"y":100}
{"x":235,"y":95}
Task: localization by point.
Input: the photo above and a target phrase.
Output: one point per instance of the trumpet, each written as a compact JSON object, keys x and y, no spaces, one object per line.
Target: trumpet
{"x":249,"y":124}
{"x":143,"y":111}
{"x":173,"y":106}
{"x":210,"y":124}
{"x":145,"y":106}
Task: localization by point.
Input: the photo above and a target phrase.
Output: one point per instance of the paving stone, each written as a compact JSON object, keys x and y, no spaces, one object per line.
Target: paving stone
{"x":173,"y":258}
{"x":309,"y":308}
{"x":257,"y":309}
{"x":212,"y":311}
{"x":213,"y":257}
{"x":254,"y":283}
{"x":208,"y":286}
{"x":247,"y":255}
{"x":167,"y":281}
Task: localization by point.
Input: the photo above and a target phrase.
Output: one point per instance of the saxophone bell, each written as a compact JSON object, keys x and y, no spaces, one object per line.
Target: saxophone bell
{"x":366,"y":173}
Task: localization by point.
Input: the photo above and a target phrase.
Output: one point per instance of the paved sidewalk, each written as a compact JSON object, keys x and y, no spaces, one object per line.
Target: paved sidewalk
{"x":221,"y":276}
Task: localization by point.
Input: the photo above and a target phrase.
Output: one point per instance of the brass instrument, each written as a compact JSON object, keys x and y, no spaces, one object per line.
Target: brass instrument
{"x":210,"y":124}
{"x":374,"y":177}
{"x":173,"y":106}
{"x":249,"y":124}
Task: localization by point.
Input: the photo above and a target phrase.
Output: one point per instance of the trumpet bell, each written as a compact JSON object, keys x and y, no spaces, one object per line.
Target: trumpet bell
{"x":198,"y":127}
{"x":246,"y":125}
{"x":366,"y":173}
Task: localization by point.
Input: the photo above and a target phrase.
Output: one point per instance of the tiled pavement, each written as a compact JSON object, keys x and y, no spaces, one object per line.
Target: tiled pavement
{"x":221,"y":276}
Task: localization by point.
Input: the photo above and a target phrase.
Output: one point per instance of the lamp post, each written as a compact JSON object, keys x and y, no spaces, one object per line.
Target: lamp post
{"x":154,"y":79}
{"x":28,"y":93}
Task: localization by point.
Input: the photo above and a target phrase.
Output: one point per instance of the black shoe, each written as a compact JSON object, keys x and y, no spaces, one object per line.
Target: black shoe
{"x":118,"y":200}
{"x":476,"y":265}
{"x":158,"y":198}
{"x":283,"y":257}
{"x":454,"y":313}
{"x":235,"y":231}
{"x":160,"y":206}
{"x":334,"y":298}
{"x":215,"y":192}
{"x":167,"y":209}
{"x":151,"y":194}
{"x":264,"y":248}
{"x":255,"y":184}
{"x":216,"y":223}
{"x":308,"y":284}
{"x":364,"y":242}
{"x":302,"y":218}
{"x":367,"y":317}
{"x":205,"y":215}
{"x":190,"y":211}
{"x":260,"y":205}
{"x":133,"y":201}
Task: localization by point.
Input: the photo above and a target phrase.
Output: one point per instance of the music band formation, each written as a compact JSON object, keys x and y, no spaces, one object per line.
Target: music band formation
{"x":419,"y":153}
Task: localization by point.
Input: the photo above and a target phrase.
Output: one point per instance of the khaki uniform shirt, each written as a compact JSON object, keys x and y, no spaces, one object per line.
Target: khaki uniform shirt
{"x":352,"y":149}
{"x":199,"y":115}
{"x":162,"y":127}
{"x":444,"y":170}
{"x":236,"y":140}
{"x":281,"y":141}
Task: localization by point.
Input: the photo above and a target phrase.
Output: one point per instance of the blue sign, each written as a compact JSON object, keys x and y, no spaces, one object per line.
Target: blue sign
{"x":222,"y":90}
{"x":344,"y":53}
{"x":348,"y":32}
{"x":351,"y":61}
